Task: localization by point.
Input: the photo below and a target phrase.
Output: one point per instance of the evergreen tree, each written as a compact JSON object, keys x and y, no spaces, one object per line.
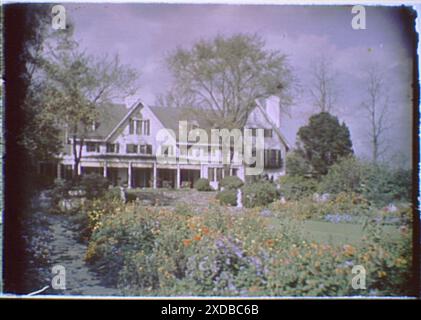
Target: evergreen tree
{"x":323,"y":142}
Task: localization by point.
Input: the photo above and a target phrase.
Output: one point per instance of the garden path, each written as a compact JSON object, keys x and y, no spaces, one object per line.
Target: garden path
{"x":51,"y":240}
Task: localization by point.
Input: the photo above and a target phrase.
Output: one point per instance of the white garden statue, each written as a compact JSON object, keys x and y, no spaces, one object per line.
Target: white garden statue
{"x":239,"y":199}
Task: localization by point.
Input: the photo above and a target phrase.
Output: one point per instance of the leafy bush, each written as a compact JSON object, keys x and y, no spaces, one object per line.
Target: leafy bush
{"x":259,"y":194}
{"x":377,"y":183}
{"x":403,"y":182}
{"x":94,"y":210}
{"x":157,"y":251}
{"x":351,"y":204}
{"x":231,"y":183}
{"x":131,"y":195}
{"x":113,"y":193}
{"x":297,"y":165}
{"x":227,"y":197}
{"x":344,"y":176}
{"x":94,"y":185}
{"x":60,"y":190}
{"x":297,"y":187}
{"x":202,"y":185}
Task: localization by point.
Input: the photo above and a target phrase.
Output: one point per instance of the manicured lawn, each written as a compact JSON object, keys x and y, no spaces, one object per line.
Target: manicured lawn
{"x":339,"y":233}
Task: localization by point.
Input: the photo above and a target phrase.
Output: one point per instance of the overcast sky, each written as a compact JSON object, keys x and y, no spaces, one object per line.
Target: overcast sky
{"x":143,"y":35}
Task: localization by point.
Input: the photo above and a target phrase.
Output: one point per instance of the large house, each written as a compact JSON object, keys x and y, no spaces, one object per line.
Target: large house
{"x":123,"y":146}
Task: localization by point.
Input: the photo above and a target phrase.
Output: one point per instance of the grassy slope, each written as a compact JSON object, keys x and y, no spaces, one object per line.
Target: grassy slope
{"x":340,"y":233}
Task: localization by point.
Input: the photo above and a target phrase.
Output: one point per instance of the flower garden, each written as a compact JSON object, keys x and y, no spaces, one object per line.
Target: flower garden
{"x":283,"y":249}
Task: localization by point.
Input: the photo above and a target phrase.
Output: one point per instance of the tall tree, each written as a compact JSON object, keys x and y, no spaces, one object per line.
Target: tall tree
{"x":323,"y":142}
{"x":23,"y":32}
{"x":376,"y":106}
{"x":74,"y":85}
{"x":227,"y":75}
{"x":322,"y":89}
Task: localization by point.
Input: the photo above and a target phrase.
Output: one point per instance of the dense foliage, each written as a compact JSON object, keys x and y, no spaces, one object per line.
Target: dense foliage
{"x":259,"y":194}
{"x":202,"y":185}
{"x":227,"y":197}
{"x":297,"y":165}
{"x":323,"y":142}
{"x":158,"y":251}
{"x":231,"y":182}
{"x":296,"y":187}
{"x":94,"y":185}
{"x":378,"y":183}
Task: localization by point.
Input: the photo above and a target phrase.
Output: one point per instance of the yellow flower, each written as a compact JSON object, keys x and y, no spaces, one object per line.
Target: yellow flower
{"x":400,"y":261}
{"x":349,"y":250}
{"x":381,"y":274}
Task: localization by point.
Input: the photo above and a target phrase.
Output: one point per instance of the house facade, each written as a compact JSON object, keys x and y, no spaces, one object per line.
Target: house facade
{"x":141,"y":147}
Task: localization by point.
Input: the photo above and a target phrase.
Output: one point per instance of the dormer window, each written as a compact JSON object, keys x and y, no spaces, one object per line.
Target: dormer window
{"x":268,"y":133}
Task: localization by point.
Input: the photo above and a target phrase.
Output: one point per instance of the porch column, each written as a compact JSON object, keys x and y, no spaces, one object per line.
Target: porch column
{"x":178,"y":177}
{"x":203,"y":171}
{"x":154,"y":175}
{"x":129,"y":176}
{"x":59,"y":171}
{"x":105,"y":169}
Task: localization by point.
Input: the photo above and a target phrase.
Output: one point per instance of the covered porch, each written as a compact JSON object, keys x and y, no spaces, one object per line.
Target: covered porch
{"x":132,"y":174}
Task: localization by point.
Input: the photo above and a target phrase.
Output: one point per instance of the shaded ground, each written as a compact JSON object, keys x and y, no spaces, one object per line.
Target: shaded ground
{"x":51,"y":240}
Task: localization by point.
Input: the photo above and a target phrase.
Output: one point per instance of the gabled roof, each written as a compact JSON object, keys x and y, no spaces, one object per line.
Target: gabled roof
{"x":170,"y":117}
{"x":112,"y":116}
{"x":128,"y":113}
{"x":109,"y":116}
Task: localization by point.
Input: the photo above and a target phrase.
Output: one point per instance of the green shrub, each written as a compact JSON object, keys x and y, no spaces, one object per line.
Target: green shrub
{"x":297,"y":187}
{"x":344,"y":176}
{"x":376,"y":182}
{"x":94,"y":185}
{"x":297,"y":165}
{"x":231,"y":183}
{"x":113,"y":193}
{"x":403,"y":182}
{"x":60,"y":190}
{"x":222,"y":266}
{"x":156,"y":251}
{"x":259,"y":194}
{"x":202,"y":185}
{"x":131,"y":195}
{"x":351,"y":205}
{"x":227,"y":197}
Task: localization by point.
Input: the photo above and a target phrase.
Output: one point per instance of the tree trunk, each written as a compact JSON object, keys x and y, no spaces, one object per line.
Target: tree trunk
{"x":77,"y":155}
